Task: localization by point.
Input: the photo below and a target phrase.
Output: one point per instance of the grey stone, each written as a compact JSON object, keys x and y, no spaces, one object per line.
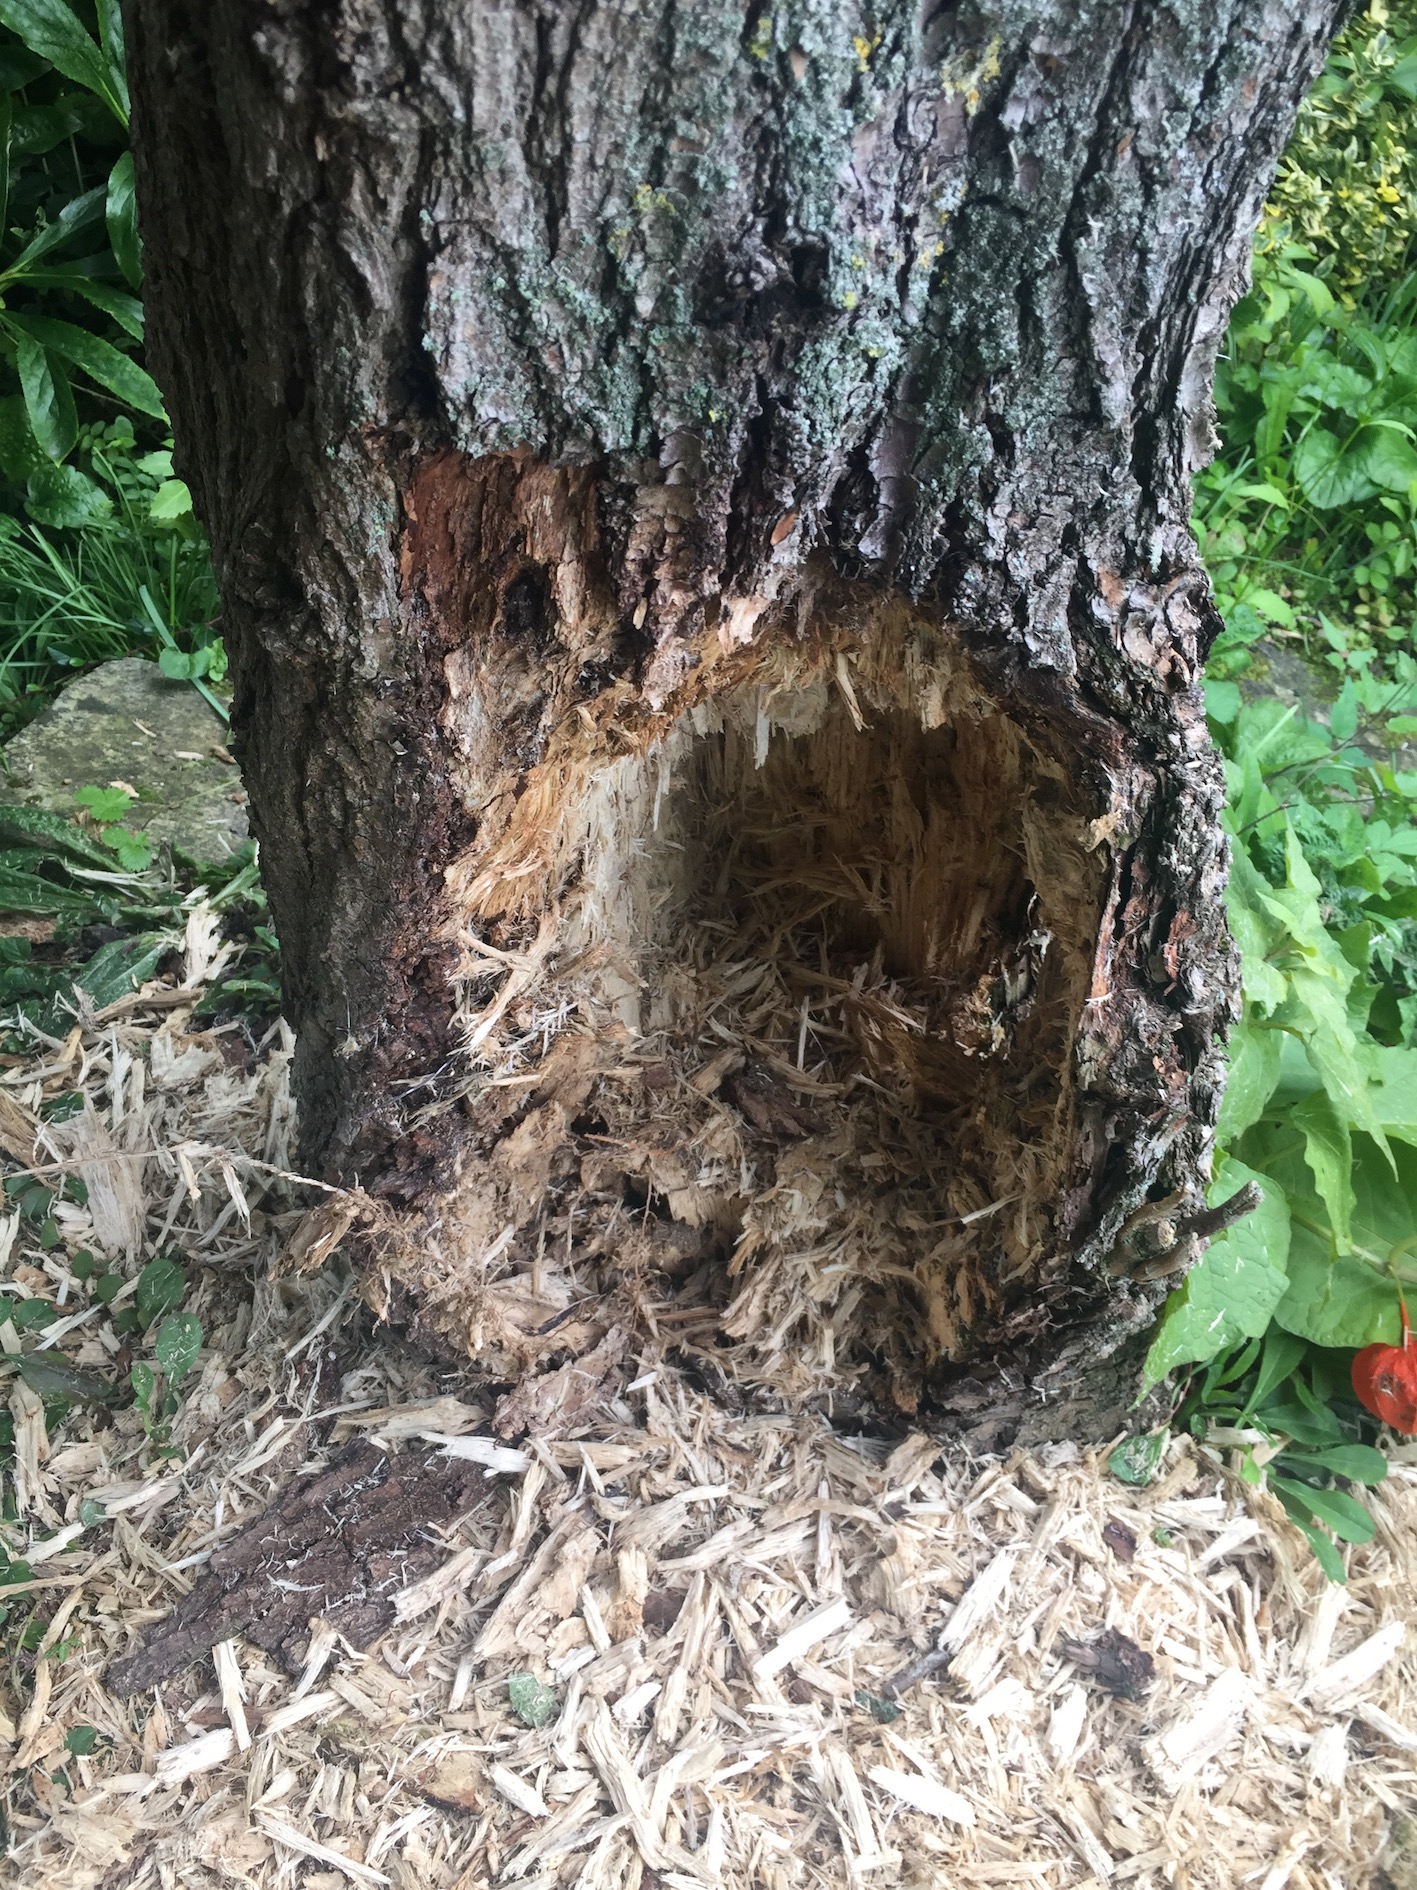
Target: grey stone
{"x":125,"y":725}
{"x":1283,"y":672}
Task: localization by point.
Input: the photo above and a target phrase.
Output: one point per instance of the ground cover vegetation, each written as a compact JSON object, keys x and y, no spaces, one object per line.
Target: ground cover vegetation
{"x":1308,"y":520}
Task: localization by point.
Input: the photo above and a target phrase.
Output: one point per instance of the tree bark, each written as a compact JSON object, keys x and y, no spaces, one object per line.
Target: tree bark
{"x":700,"y":499}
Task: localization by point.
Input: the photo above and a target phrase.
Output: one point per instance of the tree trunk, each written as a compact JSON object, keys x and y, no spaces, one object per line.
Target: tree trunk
{"x":700,"y":498}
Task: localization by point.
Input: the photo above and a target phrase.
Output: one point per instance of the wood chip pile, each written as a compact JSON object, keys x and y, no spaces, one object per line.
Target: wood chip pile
{"x":654,"y":1642}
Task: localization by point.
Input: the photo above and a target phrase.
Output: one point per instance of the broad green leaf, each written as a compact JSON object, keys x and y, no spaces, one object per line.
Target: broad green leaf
{"x":182,"y":665}
{"x":1392,"y":1087}
{"x":121,"y":210}
{"x":1254,"y":1070}
{"x":1325,"y":1553}
{"x":1233,"y":1291}
{"x":1360,"y":1463}
{"x":161,"y":1285}
{"x":99,"y":359}
{"x":1343,"y":719}
{"x":118,"y":968}
{"x":51,"y":28}
{"x":49,"y":402}
{"x":75,"y":217}
{"x":64,"y":497}
{"x":171,"y":501}
{"x":1388,"y":458}
{"x":125,"y":309}
{"x":1270,"y":605}
{"x":1335,"y":1301}
{"x":1222,"y":700}
{"x":27,"y":892}
{"x":1328,"y":1149}
{"x":36,"y":827}
{"x":52,"y":1376}
{"x":1315,"y":288}
{"x":179,"y":1340}
{"x":1345,"y":1516}
{"x":1327,"y":475}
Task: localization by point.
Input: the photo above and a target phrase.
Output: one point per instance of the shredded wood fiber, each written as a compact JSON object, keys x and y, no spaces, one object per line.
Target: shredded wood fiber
{"x":771,"y":1026}
{"x":709,"y":1614}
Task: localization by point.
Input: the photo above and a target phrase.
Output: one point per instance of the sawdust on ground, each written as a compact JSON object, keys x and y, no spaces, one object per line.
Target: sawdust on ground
{"x":719,"y":1609}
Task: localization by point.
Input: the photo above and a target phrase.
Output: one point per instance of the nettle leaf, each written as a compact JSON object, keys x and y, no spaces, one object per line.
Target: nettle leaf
{"x":1328,"y":1149}
{"x":1232,"y":1293}
{"x":1335,"y":385}
{"x":1254,"y":1071}
{"x":1336,"y":1298}
{"x":1319,"y":979}
{"x":1256,"y":933}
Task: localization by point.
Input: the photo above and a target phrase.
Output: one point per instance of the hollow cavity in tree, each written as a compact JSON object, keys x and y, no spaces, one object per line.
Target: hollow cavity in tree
{"x":773,"y":1013}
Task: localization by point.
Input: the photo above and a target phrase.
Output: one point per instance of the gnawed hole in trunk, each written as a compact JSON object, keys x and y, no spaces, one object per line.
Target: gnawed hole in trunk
{"x":785,"y":1071}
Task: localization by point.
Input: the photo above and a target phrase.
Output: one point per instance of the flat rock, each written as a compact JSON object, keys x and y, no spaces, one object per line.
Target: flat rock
{"x":125,"y":725}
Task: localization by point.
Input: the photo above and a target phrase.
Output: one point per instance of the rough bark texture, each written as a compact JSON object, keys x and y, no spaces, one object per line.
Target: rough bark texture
{"x":700,"y":499}
{"x":339,"y":1546}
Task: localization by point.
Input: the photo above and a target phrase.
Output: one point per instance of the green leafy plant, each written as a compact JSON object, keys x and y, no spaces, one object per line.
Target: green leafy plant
{"x":1347,"y":185}
{"x":95,"y":875}
{"x":137,"y":580}
{"x":66,"y":309}
{"x":1307,"y":520}
{"x":1320,"y":1112}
